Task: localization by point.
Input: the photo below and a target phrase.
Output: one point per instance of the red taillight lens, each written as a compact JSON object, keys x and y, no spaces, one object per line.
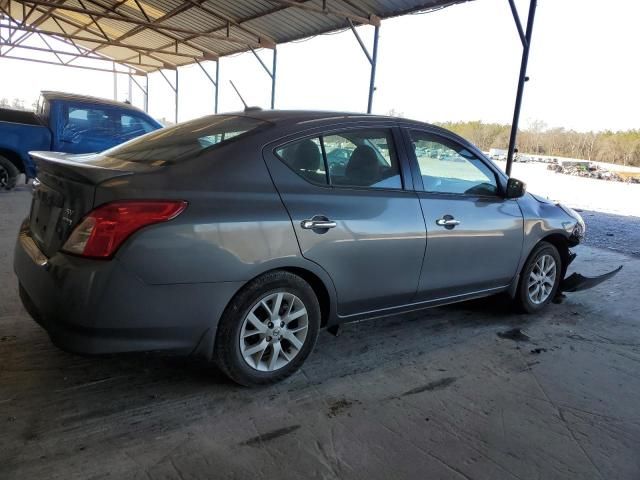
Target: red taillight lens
{"x":104,"y":229}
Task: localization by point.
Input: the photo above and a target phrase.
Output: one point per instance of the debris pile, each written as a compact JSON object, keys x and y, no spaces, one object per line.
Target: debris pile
{"x":590,"y":170}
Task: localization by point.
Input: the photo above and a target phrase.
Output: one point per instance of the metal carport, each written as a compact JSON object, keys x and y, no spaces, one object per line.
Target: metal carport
{"x":144,"y":36}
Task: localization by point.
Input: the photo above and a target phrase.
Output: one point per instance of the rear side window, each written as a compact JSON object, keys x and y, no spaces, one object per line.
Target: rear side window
{"x":83,"y":122}
{"x":355,"y":158}
{"x":183,"y":141}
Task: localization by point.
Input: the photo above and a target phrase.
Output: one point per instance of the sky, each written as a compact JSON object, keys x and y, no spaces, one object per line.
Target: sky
{"x":457,"y":64}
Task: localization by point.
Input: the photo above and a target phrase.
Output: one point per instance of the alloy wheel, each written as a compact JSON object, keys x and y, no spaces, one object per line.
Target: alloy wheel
{"x":274,"y":331}
{"x":542,"y":279}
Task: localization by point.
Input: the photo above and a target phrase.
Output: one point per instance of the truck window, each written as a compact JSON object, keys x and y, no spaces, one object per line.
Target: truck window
{"x":132,"y":126}
{"x":83,"y":122}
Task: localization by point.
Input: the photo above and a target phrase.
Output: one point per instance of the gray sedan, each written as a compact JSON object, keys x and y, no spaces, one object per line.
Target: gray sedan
{"x":236,"y":238}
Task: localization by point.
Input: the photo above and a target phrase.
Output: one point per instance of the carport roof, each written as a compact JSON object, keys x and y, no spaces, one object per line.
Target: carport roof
{"x":147,"y":35}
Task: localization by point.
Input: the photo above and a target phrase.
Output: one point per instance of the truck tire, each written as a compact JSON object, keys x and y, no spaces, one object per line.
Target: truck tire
{"x":8,"y":174}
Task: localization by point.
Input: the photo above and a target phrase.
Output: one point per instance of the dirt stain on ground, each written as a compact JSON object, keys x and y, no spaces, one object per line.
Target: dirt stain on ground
{"x":431,"y":386}
{"x":340,"y":406}
{"x":514,"y":334}
{"x":265,"y":437}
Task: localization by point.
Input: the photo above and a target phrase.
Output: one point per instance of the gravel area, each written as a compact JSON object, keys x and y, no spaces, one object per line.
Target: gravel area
{"x":619,"y":233}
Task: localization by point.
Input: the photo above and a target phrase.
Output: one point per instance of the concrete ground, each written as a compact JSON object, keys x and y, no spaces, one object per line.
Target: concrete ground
{"x":446,"y":393}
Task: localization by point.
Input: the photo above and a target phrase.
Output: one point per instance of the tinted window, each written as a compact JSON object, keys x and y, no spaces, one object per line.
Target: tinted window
{"x":169,"y":145}
{"x":361,"y":158}
{"x":447,"y":167}
{"x":305,"y":158}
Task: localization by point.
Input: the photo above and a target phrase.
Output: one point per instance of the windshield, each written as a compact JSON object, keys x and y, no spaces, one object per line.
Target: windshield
{"x":182,"y":141}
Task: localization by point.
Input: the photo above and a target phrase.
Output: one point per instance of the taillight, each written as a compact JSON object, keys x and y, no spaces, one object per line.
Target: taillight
{"x":104,"y":229}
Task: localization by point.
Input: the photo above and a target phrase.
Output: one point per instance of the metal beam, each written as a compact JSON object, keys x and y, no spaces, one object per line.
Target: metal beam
{"x":371,"y":20}
{"x":57,"y":52}
{"x":516,"y":19}
{"x":154,"y":25}
{"x":143,"y":50}
{"x":521,"y":81}
{"x":15,"y":57}
{"x":263,"y":39}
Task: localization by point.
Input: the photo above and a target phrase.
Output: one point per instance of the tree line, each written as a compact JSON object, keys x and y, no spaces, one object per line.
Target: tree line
{"x":621,"y":147}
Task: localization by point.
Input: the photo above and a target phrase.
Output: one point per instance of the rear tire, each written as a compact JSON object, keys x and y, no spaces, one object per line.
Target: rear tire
{"x":268,"y":330}
{"x":539,"y":279}
{"x":8,"y":174}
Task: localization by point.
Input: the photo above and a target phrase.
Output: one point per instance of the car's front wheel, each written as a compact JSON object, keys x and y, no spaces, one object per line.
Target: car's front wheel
{"x":540,"y":278}
{"x":268,"y":329}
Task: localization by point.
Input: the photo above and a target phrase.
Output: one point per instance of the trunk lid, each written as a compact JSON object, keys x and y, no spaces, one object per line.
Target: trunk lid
{"x":63,"y":193}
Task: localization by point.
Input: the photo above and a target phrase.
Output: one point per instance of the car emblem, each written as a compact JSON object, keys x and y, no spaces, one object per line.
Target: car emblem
{"x":67,"y":216}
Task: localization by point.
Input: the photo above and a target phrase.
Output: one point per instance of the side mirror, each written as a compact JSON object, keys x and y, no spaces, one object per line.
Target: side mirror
{"x":515,"y":188}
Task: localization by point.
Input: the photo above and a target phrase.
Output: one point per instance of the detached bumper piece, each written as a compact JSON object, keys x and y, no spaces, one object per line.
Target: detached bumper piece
{"x":577,"y":282}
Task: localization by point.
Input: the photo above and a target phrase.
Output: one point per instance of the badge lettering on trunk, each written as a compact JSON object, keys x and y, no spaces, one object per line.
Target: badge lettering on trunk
{"x":67,"y":216}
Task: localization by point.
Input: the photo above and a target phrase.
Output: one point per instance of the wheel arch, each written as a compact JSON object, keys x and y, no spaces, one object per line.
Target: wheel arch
{"x":14,"y":158}
{"x":557,"y":240}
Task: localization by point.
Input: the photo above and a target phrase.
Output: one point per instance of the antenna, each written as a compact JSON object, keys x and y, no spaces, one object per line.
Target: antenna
{"x":247,"y":108}
{"x":238,"y":93}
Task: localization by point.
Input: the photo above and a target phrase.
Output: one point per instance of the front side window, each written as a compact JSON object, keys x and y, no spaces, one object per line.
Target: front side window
{"x":355,"y":158}
{"x":447,"y":167}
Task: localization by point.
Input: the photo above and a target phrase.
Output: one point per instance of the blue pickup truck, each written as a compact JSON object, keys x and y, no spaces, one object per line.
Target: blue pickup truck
{"x":67,"y":123}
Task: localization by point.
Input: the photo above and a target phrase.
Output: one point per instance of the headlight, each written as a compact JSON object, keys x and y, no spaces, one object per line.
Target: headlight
{"x":580,"y":227}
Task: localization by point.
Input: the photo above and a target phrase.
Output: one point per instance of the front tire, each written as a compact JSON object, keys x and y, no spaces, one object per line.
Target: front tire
{"x":268,"y":330}
{"x":8,"y":174}
{"x":540,"y":279}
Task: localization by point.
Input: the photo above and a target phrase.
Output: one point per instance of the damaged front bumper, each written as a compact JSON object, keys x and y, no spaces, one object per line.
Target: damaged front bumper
{"x":577,"y":282}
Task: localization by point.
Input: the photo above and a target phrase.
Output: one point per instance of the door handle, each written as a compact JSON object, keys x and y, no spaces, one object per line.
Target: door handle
{"x":318,"y":223}
{"x":447,"y":222}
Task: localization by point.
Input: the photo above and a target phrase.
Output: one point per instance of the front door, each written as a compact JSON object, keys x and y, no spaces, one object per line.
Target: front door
{"x":474,"y":234}
{"x":344,"y":192}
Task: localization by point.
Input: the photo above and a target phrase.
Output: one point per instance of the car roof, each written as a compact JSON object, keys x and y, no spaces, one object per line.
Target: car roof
{"x":52,"y":95}
{"x":309,"y":118}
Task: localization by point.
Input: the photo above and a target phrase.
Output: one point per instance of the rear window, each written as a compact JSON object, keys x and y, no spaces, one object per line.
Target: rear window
{"x":185,"y":140}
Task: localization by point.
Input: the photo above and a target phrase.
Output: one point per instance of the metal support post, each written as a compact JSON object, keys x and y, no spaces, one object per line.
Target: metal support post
{"x":273,"y":77}
{"x":372,"y":58}
{"x":174,"y":87}
{"x":271,"y":73}
{"x":115,"y":82}
{"x":214,"y":82}
{"x":146,"y":93}
{"x":526,"y":44}
{"x":177,"y":95}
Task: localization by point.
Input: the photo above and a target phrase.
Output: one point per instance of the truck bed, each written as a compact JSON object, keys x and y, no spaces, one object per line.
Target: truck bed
{"x":18,"y":116}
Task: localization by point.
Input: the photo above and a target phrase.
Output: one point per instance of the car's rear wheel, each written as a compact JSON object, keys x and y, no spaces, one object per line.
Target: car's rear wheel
{"x":540,"y":278}
{"x":268,"y":329}
{"x":8,"y":174}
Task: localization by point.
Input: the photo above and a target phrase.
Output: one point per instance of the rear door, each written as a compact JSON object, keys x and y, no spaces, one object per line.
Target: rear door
{"x":474,"y":234}
{"x":344,"y":190}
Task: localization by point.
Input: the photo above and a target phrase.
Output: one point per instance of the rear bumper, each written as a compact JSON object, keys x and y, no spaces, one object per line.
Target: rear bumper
{"x":98,"y":307}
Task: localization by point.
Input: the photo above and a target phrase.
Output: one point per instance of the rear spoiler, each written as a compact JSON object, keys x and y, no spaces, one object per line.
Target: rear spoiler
{"x":83,"y":168}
